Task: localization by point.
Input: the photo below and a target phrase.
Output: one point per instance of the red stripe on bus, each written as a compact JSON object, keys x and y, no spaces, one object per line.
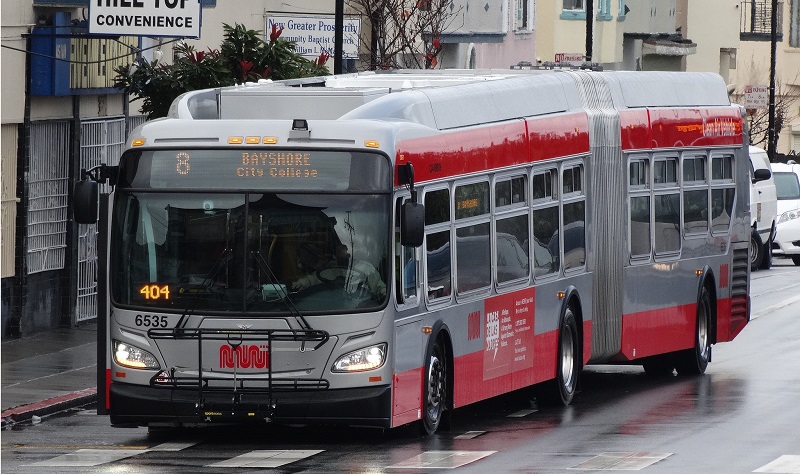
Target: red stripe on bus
{"x":481,"y":149}
{"x":669,"y":128}
{"x":731,"y":317}
{"x":658,"y":331}
{"x":407,"y":396}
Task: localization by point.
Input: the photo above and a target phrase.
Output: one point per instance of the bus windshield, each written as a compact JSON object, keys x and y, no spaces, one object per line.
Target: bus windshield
{"x":254,"y":252}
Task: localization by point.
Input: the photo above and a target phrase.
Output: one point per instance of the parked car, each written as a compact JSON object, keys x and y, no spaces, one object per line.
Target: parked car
{"x":787,"y":185}
{"x":763,"y":209}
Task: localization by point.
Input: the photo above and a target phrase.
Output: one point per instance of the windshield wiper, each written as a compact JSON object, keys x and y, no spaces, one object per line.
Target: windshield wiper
{"x":284,"y":293}
{"x":209,"y":278}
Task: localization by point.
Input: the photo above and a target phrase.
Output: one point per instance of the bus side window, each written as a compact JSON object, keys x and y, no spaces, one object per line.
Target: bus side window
{"x":405,"y":264}
{"x":695,"y":195}
{"x":512,"y":229}
{"x":438,"y":252}
{"x":574,"y":218}
{"x":639,"y":224}
{"x":667,"y":206}
{"x":722,"y":192}
{"x":546,"y":247}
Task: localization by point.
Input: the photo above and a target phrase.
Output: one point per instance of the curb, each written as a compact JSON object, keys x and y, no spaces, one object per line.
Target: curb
{"x":48,"y":407}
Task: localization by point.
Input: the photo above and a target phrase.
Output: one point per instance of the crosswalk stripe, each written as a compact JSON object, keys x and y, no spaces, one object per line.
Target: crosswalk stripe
{"x":441,"y":459}
{"x":787,"y":464}
{"x":621,"y":461}
{"x":89,"y":457}
{"x":267,"y":458}
{"x":470,"y":435}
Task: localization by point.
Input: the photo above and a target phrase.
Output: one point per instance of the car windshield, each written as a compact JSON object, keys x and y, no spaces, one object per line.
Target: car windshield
{"x":250,"y":252}
{"x":786,"y":185}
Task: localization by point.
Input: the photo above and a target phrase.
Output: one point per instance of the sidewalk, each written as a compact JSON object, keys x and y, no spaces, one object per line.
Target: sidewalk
{"x":48,"y":372}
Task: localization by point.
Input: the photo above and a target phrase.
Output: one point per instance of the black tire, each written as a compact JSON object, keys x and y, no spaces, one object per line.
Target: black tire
{"x":561,"y":390}
{"x":796,"y":260}
{"x":695,"y":361}
{"x":435,"y":392}
{"x":756,"y":251}
{"x":766,"y":261}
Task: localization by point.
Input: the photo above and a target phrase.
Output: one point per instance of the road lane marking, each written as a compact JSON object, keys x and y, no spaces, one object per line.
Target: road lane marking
{"x":620,"y":461}
{"x":776,"y":306}
{"x":441,"y":459}
{"x":521,"y":413}
{"x":267,"y":459}
{"x":470,"y":435}
{"x":788,"y":464}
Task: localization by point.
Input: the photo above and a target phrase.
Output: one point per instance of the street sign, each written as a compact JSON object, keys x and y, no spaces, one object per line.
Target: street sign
{"x":171,"y":18}
{"x":756,"y":97}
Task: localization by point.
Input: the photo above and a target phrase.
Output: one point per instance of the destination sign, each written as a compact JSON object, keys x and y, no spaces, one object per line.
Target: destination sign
{"x":258,"y":169}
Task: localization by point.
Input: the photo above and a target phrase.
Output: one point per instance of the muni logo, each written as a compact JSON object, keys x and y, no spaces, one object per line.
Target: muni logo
{"x":245,"y":356}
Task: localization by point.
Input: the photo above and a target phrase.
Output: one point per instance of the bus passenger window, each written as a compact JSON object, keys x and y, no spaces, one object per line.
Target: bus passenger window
{"x":474,"y":261}
{"x":574,"y":235}
{"x":668,"y":221}
{"x":512,"y":248}
{"x":437,"y":244}
{"x":722,"y":192}
{"x":405,"y":264}
{"x":640,"y":226}
{"x":546,"y":247}
{"x":695,"y":196}
{"x":721,"y":209}
{"x":437,"y":247}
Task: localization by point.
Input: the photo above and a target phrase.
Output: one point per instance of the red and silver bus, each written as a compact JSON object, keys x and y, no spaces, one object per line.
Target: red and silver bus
{"x":379,"y":249}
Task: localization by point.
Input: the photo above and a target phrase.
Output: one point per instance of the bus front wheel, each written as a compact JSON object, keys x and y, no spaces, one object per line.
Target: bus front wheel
{"x":435,"y":396}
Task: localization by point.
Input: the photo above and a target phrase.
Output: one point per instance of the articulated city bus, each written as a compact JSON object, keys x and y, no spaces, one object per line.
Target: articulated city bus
{"x":378,"y":249}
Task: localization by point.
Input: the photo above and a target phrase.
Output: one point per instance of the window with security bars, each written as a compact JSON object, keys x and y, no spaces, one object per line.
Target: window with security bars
{"x":48,"y":182}
{"x":102,"y":142}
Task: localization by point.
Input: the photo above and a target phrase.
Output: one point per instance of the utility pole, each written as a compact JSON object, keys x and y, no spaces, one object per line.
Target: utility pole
{"x":589,"y":29}
{"x":771,"y":136}
{"x":338,"y":37}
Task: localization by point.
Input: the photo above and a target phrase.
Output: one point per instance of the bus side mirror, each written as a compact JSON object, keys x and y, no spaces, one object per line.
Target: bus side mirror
{"x":85,"y":195}
{"x":761,"y":174}
{"x":412,"y":224}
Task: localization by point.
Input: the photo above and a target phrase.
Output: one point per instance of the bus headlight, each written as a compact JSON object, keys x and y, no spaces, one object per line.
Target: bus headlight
{"x":127,"y":355}
{"x":368,"y":358}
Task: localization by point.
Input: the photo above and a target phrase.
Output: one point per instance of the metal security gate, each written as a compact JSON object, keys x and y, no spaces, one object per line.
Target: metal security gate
{"x":101,"y":142}
{"x":48,"y":182}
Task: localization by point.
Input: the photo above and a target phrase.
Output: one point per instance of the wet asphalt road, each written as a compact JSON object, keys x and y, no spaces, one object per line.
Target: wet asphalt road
{"x":741,"y":416}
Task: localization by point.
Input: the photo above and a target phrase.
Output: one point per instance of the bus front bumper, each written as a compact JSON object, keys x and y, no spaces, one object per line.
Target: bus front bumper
{"x":136,"y":405}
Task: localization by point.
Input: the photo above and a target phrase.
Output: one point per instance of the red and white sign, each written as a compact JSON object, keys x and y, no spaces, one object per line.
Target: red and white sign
{"x":569,"y":58}
{"x":508,"y":345}
{"x":756,"y":97}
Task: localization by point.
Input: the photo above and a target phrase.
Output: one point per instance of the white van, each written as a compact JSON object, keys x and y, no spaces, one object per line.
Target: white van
{"x":763,"y":209}
{"x":787,"y":184}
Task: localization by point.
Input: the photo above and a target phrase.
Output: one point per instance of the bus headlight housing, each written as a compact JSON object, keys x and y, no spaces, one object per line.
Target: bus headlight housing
{"x":368,"y":358}
{"x":133,"y":357}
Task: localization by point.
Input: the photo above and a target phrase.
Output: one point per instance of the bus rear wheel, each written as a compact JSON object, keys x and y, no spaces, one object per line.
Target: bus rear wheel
{"x":695,"y":361}
{"x":435,"y":396}
{"x":561,"y":390}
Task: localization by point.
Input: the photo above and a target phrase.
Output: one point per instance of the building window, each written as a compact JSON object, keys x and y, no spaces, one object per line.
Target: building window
{"x":604,"y":10}
{"x":573,"y":10}
{"x":523,"y":20}
{"x":794,"y":25}
{"x":755,"y":19}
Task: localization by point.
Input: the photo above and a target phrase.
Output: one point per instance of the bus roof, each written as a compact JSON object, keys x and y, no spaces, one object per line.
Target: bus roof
{"x":446,"y":99}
